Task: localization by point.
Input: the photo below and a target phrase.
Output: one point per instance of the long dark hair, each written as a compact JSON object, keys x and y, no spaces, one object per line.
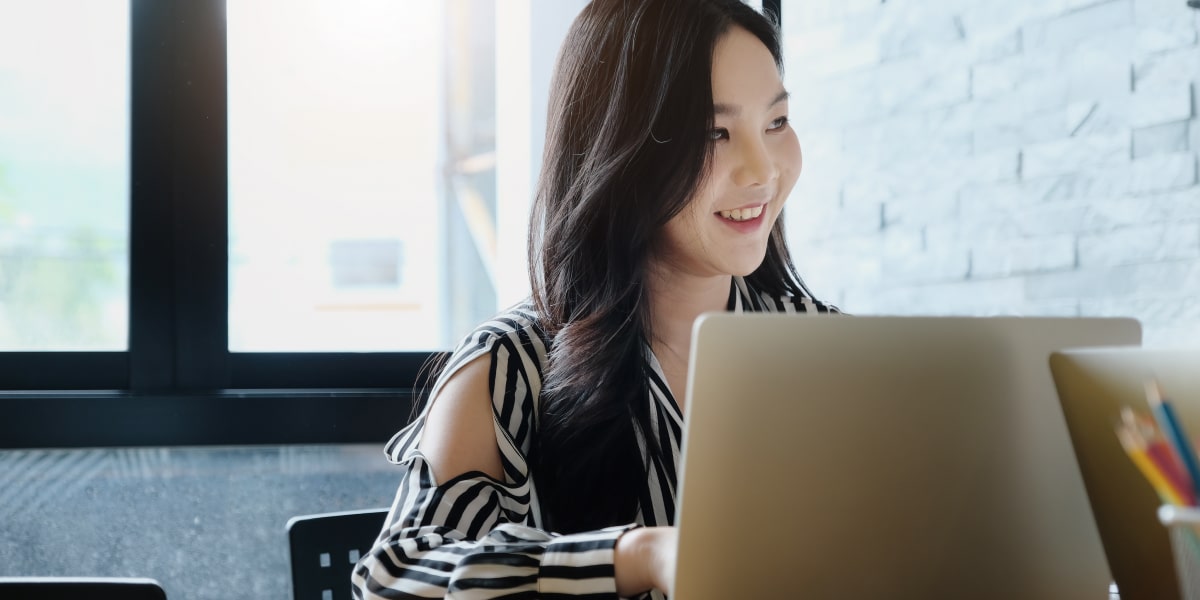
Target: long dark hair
{"x":627,"y":143}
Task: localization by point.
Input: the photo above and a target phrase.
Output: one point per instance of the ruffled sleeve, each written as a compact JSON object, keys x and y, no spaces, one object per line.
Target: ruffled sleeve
{"x":474,"y":536}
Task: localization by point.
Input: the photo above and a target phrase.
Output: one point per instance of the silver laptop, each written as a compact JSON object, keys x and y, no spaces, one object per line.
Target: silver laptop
{"x":1093,"y":386}
{"x":884,"y":457}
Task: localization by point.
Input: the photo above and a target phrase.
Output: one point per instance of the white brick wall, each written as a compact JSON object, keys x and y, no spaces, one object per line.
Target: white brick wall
{"x":975,"y":157}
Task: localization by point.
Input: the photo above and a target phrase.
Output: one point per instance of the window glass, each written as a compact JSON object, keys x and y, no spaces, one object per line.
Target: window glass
{"x":64,"y":175}
{"x":361,"y":173}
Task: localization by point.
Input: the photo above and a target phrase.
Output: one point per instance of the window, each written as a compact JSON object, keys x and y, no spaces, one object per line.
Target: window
{"x":64,"y":190}
{"x":298,"y":191}
{"x":346,"y":187}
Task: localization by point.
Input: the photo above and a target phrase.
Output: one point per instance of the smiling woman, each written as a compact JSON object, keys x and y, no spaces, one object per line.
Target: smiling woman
{"x":545,"y":460}
{"x":755,"y":161}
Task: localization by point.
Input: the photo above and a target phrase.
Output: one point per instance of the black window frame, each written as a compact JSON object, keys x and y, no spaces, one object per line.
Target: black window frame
{"x":178,"y":384}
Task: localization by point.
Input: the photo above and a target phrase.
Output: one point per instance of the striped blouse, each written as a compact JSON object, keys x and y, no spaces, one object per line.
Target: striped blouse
{"x":476,"y":537}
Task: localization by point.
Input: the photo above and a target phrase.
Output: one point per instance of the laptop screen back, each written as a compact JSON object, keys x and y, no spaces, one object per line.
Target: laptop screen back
{"x":829,"y":456}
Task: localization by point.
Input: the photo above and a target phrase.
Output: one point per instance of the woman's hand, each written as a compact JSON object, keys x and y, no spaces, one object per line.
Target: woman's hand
{"x":645,"y":559}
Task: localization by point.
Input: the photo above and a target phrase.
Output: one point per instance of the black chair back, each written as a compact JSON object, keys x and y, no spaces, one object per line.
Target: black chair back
{"x":325,"y":547}
{"x":72,"y":588}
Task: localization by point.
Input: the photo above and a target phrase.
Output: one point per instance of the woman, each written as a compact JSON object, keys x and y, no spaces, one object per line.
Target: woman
{"x":667,"y":163}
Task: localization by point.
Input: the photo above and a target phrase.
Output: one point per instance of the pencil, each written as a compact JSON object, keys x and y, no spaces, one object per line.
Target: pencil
{"x":1171,"y":428}
{"x":1147,"y":434}
{"x":1164,"y":458}
{"x":1149,"y":470}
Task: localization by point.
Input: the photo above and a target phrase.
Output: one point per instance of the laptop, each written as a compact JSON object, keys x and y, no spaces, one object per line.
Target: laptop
{"x":884,"y":457}
{"x":1093,"y":385}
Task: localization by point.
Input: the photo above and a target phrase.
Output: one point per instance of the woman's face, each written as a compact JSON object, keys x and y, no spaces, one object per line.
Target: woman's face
{"x":755,"y":162}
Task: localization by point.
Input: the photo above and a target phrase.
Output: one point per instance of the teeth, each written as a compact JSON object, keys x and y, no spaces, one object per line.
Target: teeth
{"x":742,"y":214}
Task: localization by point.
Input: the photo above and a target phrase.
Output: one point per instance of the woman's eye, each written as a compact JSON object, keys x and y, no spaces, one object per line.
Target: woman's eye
{"x":718,"y":134}
{"x":778,"y":124}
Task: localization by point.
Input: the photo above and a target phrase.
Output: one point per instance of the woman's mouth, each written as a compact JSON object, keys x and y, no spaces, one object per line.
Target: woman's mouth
{"x":739,"y":215}
{"x":744,"y":220}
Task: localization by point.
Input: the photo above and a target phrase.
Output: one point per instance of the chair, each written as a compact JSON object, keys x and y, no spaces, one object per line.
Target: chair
{"x":325,"y":547}
{"x":69,"y":588}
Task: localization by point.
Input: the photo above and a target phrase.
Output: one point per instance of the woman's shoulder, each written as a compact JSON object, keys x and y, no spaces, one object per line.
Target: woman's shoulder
{"x":513,"y":342}
{"x":750,"y":299}
{"x":512,"y":333}
{"x":519,"y":322}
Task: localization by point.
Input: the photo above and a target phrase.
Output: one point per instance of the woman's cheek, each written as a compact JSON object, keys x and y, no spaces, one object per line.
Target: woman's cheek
{"x":790,"y":164}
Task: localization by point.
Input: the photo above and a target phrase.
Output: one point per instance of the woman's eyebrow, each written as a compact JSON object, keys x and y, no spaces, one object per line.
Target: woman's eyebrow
{"x":734,"y":110}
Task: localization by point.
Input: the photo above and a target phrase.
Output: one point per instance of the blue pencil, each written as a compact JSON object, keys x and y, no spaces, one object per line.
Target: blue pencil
{"x":1172,"y":429}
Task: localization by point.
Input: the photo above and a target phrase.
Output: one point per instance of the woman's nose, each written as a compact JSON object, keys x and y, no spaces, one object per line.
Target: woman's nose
{"x":755,"y":164}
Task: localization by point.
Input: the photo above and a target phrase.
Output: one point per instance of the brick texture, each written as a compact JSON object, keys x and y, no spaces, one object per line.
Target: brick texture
{"x":1028,"y":157}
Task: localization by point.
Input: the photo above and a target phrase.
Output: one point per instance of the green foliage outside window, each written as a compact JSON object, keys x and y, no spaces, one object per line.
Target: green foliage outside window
{"x":53,"y":285}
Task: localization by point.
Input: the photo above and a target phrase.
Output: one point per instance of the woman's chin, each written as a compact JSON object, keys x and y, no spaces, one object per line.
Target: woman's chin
{"x":742,"y":268}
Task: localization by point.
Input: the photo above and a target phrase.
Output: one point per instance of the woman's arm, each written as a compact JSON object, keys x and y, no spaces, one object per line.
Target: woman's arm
{"x":460,"y":434}
{"x":645,"y":559}
{"x":463,"y":514}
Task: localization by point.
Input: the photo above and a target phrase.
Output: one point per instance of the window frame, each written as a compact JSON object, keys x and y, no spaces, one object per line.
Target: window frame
{"x":178,"y":384}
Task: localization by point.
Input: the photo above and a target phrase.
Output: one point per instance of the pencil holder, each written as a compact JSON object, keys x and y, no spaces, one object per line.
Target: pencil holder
{"x":1184,"y":526}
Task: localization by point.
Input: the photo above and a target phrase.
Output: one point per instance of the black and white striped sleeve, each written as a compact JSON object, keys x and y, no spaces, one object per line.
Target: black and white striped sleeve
{"x":474,"y":536}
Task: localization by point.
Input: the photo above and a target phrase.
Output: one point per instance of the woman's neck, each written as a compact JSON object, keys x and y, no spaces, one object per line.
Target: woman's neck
{"x":676,"y":300}
{"x":675,"y":305}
